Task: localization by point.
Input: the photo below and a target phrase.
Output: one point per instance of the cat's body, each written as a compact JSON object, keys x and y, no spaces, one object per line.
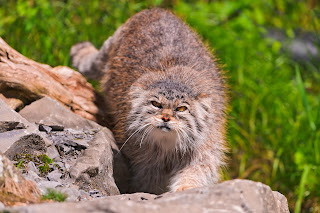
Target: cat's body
{"x":166,"y":97}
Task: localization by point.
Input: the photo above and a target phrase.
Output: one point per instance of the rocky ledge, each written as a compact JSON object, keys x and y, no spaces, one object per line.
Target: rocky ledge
{"x":230,"y":196}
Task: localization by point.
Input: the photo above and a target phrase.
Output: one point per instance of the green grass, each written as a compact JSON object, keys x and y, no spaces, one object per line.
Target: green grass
{"x":274,"y":122}
{"x":51,"y":194}
{"x":19,"y":164}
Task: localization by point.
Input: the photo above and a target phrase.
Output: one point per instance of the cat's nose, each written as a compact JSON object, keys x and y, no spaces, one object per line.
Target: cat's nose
{"x":165,"y":118}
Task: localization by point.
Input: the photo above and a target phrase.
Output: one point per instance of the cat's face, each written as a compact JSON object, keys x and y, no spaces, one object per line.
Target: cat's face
{"x":168,"y":114}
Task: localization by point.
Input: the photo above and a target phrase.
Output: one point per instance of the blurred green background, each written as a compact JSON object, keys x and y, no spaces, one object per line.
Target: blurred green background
{"x":270,"y":49}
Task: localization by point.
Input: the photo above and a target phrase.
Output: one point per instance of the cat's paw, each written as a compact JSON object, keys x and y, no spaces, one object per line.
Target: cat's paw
{"x":183,"y":187}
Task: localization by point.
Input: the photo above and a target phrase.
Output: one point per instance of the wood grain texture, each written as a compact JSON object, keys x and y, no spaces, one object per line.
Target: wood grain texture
{"x":24,"y":79}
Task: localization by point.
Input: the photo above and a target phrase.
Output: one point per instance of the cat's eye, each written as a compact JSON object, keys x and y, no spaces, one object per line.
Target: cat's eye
{"x":181,"y":108}
{"x":156,"y":104}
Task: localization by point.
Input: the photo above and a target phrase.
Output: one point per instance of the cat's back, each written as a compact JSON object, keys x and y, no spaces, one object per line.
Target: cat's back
{"x":150,"y":40}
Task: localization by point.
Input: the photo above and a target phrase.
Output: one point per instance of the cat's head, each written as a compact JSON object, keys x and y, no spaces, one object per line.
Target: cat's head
{"x":169,"y":113}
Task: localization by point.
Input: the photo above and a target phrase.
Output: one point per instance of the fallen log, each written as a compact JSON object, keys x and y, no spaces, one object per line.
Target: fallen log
{"x":23,"y":81}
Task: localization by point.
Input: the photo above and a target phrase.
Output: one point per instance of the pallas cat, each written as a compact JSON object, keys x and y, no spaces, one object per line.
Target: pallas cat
{"x":166,"y":97}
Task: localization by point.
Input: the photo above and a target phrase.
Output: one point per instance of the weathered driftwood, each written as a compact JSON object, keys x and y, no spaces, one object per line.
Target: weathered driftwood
{"x":23,"y":81}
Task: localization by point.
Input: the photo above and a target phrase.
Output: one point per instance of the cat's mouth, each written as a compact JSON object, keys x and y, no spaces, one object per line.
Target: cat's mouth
{"x":164,"y":128}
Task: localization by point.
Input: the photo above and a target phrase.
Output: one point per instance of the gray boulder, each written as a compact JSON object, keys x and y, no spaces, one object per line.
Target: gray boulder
{"x":94,"y":168}
{"x":230,"y":196}
{"x":17,"y":135}
{"x":51,"y":113}
{"x":32,"y":144}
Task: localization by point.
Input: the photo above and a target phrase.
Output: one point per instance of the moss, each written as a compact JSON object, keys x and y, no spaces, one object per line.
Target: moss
{"x":41,"y":161}
{"x":45,"y":159}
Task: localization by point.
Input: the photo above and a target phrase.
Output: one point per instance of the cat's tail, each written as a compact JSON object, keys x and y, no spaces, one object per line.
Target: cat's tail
{"x":88,"y":60}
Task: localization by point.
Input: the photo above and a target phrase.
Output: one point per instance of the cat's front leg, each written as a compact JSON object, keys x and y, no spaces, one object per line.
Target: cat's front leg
{"x":194,"y":176}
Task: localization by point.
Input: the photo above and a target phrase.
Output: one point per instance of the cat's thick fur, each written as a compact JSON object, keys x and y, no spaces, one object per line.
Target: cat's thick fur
{"x":166,"y":97}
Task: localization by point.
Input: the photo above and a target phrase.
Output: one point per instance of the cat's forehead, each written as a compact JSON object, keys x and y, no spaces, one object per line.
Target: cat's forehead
{"x":172,"y":90}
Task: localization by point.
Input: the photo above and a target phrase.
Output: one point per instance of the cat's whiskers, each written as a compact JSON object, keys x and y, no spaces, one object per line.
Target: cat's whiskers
{"x":145,"y":133}
{"x":138,"y":130}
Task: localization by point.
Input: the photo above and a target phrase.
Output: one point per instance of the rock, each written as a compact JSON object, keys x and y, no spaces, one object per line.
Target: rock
{"x":84,"y":195}
{"x":281,"y":201}
{"x":53,"y":153}
{"x":73,"y":194}
{"x":18,"y":136}
{"x":44,"y":185}
{"x":230,"y":196}
{"x":139,"y":196}
{"x":31,"y":175}
{"x":54,"y":175}
{"x":10,"y":125}
{"x":75,"y":138}
{"x":56,"y":127}
{"x":71,"y":135}
{"x":13,"y":186}
{"x":78,"y":139}
{"x":67,"y":166}
{"x":30,"y":144}
{"x":44,"y":128}
{"x":51,"y":113}
{"x":15,"y":128}
{"x":32,"y":167}
{"x":93,"y":169}
{"x":80,"y":144}
{"x":83,"y":148}
{"x":49,"y":128}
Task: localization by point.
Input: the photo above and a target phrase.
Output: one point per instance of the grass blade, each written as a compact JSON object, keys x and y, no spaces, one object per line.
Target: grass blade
{"x":303,"y":180}
{"x":304,"y":98}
